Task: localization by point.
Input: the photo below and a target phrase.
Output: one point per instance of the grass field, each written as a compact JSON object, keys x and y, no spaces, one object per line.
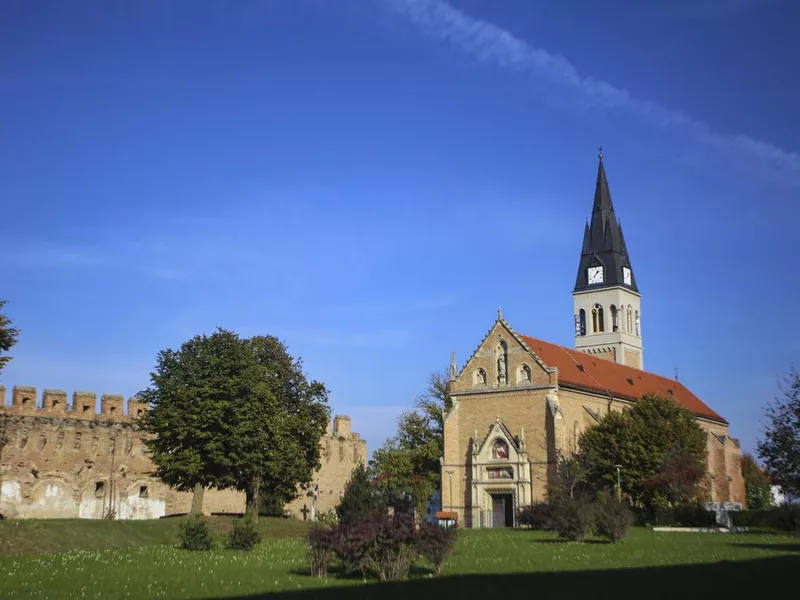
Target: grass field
{"x":488,"y":562}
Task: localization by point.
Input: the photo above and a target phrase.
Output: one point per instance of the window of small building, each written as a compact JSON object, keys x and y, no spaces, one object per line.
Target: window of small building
{"x":99,"y":489}
{"x":143,"y":491}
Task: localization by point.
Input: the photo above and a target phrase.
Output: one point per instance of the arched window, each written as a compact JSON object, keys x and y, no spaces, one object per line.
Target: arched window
{"x":582,"y":322}
{"x":480,"y":377}
{"x":637,"y":323}
{"x":576,"y":436}
{"x":499,"y":449}
{"x":524,"y":374}
{"x":630,"y":319}
{"x":597,"y":319}
{"x":614,"y":319}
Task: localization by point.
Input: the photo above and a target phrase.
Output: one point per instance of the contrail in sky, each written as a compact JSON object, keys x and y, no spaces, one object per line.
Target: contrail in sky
{"x":491,"y":44}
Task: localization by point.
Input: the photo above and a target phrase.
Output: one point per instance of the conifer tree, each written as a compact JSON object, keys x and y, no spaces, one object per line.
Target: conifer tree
{"x":359,"y":500}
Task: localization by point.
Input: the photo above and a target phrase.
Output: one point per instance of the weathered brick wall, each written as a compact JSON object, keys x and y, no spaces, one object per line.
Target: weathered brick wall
{"x":633,"y":359}
{"x":68,"y":461}
{"x":341,"y":451}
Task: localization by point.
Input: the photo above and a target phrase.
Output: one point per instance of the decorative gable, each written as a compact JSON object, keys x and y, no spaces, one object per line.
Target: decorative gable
{"x":498,"y":444}
{"x":503,"y":360}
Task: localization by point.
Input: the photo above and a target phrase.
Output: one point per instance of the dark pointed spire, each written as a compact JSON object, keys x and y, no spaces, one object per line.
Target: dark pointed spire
{"x":587,"y":238}
{"x":603,"y":241}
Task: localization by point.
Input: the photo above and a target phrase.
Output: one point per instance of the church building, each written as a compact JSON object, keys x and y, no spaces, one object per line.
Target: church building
{"x":519,"y":402}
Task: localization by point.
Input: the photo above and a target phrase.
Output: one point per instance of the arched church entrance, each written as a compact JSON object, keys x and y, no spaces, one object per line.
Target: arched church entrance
{"x":502,"y":511}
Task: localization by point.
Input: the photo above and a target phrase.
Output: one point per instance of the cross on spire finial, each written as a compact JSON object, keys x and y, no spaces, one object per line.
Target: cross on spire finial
{"x":600,"y":152}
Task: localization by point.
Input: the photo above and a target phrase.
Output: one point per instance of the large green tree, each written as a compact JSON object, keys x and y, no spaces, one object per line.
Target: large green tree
{"x":658,"y":445}
{"x":229,"y":412}
{"x":8,"y":336}
{"x":277,"y":426}
{"x":407,"y":466}
{"x":780,"y":448}
{"x":193,"y":395}
{"x":757,"y":485}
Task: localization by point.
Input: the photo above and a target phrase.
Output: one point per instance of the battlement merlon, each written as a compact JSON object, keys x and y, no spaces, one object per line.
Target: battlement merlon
{"x":342,"y":425}
{"x":54,"y":404}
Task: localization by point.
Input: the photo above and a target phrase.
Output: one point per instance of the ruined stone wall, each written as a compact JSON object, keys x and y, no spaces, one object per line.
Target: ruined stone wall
{"x":65,"y":460}
{"x":341,"y":451}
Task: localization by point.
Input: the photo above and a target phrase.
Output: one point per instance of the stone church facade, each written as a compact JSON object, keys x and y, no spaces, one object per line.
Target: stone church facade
{"x":519,"y":402}
{"x":62,"y":461}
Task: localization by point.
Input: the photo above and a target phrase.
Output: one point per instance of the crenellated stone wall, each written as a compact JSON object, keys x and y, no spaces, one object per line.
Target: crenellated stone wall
{"x":66,"y":460}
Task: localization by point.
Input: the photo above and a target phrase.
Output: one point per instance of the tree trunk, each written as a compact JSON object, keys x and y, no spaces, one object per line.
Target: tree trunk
{"x":254,"y":497}
{"x":197,"y":500}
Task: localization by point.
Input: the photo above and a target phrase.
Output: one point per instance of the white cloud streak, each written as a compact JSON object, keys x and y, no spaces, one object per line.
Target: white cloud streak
{"x":491,"y":44}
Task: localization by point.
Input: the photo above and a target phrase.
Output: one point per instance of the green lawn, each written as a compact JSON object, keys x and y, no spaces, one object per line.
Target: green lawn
{"x":484,"y":564}
{"x":19,"y":538}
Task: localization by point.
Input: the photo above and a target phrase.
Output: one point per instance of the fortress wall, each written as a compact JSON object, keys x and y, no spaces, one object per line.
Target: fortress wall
{"x":341,"y":451}
{"x":66,"y":460}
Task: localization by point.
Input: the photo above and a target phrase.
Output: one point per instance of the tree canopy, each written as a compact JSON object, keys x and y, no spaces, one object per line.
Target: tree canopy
{"x":8,"y":336}
{"x":780,"y":448}
{"x":757,"y":485}
{"x":407,"y":466}
{"x":229,"y":412}
{"x":658,"y":445}
{"x":277,"y":426}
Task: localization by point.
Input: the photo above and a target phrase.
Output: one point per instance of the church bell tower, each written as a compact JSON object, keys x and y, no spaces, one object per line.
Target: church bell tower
{"x":606,"y":300}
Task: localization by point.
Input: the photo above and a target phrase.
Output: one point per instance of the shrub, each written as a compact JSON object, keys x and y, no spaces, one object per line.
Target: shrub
{"x":539,"y":516}
{"x":194,"y":535}
{"x":612,"y":518}
{"x":353,"y":544}
{"x":327,"y":519}
{"x":395,"y":549}
{"x":435,"y":543}
{"x":574,"y":518}
{"x":694,"y":515}
{"x":785,"y":517}
{"x":244,"y":535}
{"x":386,"y":546}
{"x":754,"y":518}
{"x":321,"y":544}
{"x":789,"y":517}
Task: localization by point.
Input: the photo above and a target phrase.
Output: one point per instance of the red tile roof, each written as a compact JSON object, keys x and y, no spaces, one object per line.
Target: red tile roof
{"x":587,"y":372}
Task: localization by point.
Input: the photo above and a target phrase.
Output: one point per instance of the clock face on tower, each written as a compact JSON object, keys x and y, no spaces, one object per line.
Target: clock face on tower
{"x":626,"y":275}
{"x":595,"y":275}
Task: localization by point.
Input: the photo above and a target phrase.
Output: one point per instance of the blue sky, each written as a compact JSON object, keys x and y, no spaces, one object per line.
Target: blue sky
{"x":370,"y":180}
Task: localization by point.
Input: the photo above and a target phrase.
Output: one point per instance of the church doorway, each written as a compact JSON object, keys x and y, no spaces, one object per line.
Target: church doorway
{"x":502,"y":513}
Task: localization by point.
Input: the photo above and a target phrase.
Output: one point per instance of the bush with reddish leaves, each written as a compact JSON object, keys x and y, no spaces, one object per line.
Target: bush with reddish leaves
{"x":320,"y":550}
{"x":435,"y":543}
{"x":384,"y":546}
{"x":395,"y":548}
